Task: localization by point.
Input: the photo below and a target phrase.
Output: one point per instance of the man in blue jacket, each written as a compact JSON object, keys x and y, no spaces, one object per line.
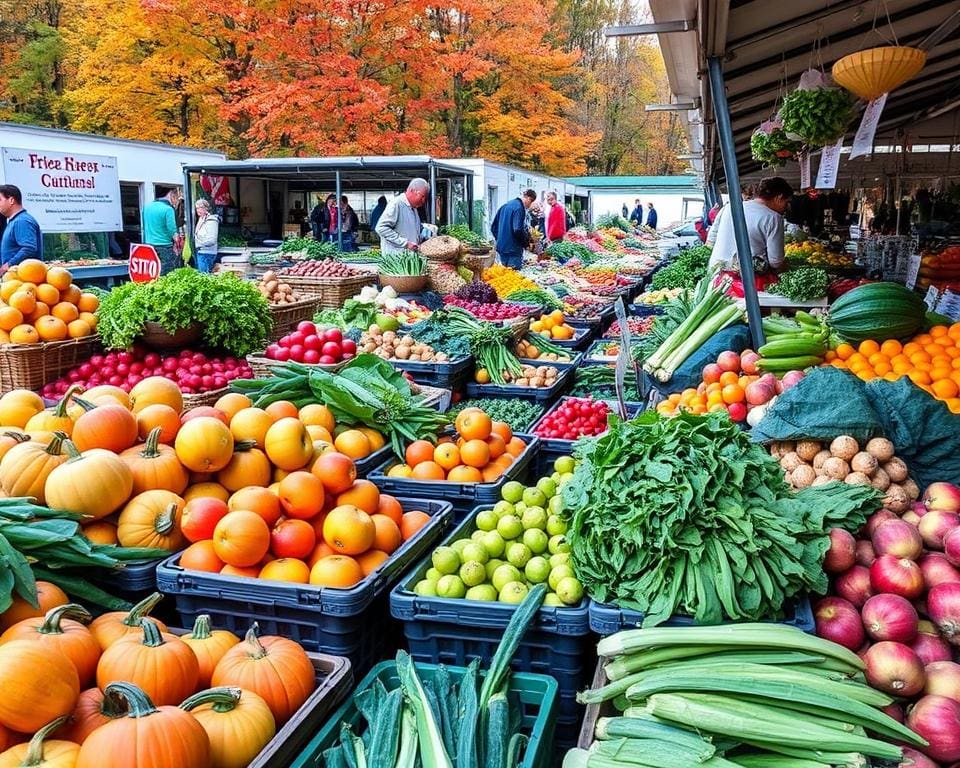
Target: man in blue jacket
{"x":510,"y":229}
{"x":651,"y":216}
{"x":21,"y":237}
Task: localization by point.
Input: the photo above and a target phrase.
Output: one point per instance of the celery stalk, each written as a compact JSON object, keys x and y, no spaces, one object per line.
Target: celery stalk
{"x":433,"y":754}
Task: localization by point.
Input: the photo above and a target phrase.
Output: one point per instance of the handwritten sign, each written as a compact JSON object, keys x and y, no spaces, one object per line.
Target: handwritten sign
{"x":829,"y":166}
{"x":863,"y":141}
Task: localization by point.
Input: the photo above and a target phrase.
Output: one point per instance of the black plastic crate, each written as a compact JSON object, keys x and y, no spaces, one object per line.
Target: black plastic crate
{"x":540,"y":394}
{"x":452,"y":375}
{"x":582,"y":335}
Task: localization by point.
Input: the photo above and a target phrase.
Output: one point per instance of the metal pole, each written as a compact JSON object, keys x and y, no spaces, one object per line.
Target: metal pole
{"x":468,"y":198}
{"x":728,"y":150}
{"x":188,"y":215}
{"x":433,"y":193}
{"x":339,"y":216}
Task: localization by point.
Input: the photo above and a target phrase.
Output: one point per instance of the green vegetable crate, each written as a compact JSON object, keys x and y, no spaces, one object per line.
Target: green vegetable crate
{"x":537,"y":694}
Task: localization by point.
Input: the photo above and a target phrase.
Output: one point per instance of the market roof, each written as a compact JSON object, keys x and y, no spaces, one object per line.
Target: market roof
{"x":765,"y":47}
{"x":60,"y":132}
{"x":645,"y":183}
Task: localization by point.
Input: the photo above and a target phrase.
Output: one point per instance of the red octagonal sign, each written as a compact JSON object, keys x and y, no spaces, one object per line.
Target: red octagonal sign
{"x":144,"y":264}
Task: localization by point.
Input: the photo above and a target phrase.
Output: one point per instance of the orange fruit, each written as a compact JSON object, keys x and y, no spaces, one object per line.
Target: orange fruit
{"x":250,"y":572}
{"x":919,"y":377}
{"x":502,"y":429}
{"x":418,"y":451}
{"x":465,"y":474}
{"x":32,"y":271}
{"x":25,"y":301}
{"x":497,"y":446}
{"x":40,"y":310}
{"x":319,"y":433}
{"x":891,"y":348}
{"x":428,"y":470}
{"x":350,"y":531}
{"x":88,"y":302}
{"x":259,"y":500}
{"x":232,"y":403}
{"x":447,"y":455}
{"x":868,"y":347}
{"x":8,"y":288}
{"x":353,"y":443}
{"x":492,"y":472}
{"x":939,"y":331}
{"x":89,"y":318}
{"x":515,"y":447}
{"x":377,"y":440}
{"x":412,"y":522}
{"x":729,"y":377}
{"x":241,"y":538}
{"x":387,"y":536}
{"x":251,"y":424}
{"x":473,"y":424}
{"x":363,"y":495}
{"x":286,"y":569}
{"x":65,"y":311}
{"x":335,"y":470}
{"x":282,"y":409}
{"x":337,"y":571}
{"x":475,"y":453}
{"x":71,"y":293}
{"x":78,"y":329}
{"x":945,"y":389}
{"x":318,"y":415}
{"x":844,"y":351}
{"x":24,"y":334}
{"x":940,"y":372}
{"x":51,"y":328}
{"x":301,"y":495}
{"x":10,"y":318}
{"x":733,"y":394}
{"x":48,"y":294}
{"x":321,"y":550}
{"x":390,"y":507}
{"x":370,"y":561}
{"x":60,"y":278}
{"x":201,"y":556}
{"x":400,"y":470}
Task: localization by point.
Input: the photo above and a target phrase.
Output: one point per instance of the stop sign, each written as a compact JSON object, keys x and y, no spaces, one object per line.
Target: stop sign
{"x":144,"y":264}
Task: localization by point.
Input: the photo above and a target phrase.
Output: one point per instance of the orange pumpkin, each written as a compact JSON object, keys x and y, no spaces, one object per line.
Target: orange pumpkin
{"x":209,"y":646}
{"x":159,"y":416}
{"x":49,"y":596}
{"x":93,"y":710}
{"x":155,"y":466}
{"x":111,"y":427}
{"x":101,"y":532}
{"x":10,"y":439}
{"x":152,"y":519}
{"x":276,"y":669}
{"x":94,"y":483}
{"x":55,"y":419}
{"x":112,"y":626}
{"x":204,"y":444}
{"x":25,"y":468}
{"x":248,"y":466}
{"x":155,"y":389}
{"x":148,"y":737}
{"x":43,"y":753}
{"x":102,"y":391}
{"x":18,"y":406}
{"x":238,"y":723}
{"x":160,"y":664}
{"x":288,"y":444}
{"x":38,"y":685}
{"x":62,"y":630}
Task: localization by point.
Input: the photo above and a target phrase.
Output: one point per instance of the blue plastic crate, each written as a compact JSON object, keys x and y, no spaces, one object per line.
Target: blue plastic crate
{"x":645,"y":310}
{"x":371,"y":462}
{"x":334,"y":621}
{"x":573,"y":362}
{"x":608,"y":619}
{"x":537,"y":695}
{"x":449,"y":631}
{"x":452,"y":375}
{"x":540,"y":394}
{"x":582,"y":336}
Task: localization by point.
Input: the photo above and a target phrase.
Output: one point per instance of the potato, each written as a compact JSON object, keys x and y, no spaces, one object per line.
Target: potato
{"x":836,"y":468}
{"x":881,"y":449}
{"x":857,"y":478}
{"x":822,"y":480}
{"x":808,"y":449}
{"x":818,"y":460}
{"x":911,"y":488}
{"x":896,"y":499}
{"x":803,"y":476}
{"x":523,"y":381}
{"x":844,"y":447}
{"x":790,"y":461}
{"x":865,"y":463}
{"x":880,"y":479}
{"x":897,"y":470}
{"x":403,"y":353}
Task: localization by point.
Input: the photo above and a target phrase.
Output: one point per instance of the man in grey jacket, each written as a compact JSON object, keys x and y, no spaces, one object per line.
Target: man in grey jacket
{"x":399,"y":226}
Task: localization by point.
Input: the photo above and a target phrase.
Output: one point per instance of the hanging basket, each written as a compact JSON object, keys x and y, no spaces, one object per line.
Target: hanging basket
{"x":871,"y":73}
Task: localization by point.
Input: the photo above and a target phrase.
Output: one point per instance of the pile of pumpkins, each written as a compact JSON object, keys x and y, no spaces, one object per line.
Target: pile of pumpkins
{"x":120,"y":690}
{"x":38,"y":304}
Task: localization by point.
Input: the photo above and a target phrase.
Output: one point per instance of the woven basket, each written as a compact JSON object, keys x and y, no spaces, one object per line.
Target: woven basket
{"x":331,"y":291}
{"x":286,"y":316}
{"x":404,"y":283}
{"x":519,"y":326}
{"x":262,"y":367}
{"x":203,"y":398}
{"x":876,"y":71}
{"x":155,"y":336}
{"x":30,"y":366}
{"x":441,"y":248}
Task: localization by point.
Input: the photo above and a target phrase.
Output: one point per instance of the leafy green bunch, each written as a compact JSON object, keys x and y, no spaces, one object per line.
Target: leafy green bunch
{"x":773,"y":148}
{"x":464,"y":234}
{"x":613,"y":221}
{"x":802,"y":284}
{"x":566,"y":250}
{"x":232,"y":314}
{"x":819,"y":116}
{"x":685,"y":271}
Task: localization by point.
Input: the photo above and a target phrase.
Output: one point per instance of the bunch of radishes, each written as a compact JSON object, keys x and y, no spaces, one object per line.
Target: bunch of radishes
{"x":491,"y":312}
{"x":192,"y":371}
{"x":897,"y":603}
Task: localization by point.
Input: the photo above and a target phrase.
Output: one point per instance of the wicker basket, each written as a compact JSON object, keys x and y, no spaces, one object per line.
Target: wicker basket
{"x":519,"y":326}
{"x":155,"y":336}
{"x":332,"y":291}
{"x":286,"y":316}
{"x":204,"y":398}
{"x":404,"y":283}
{"x":30,"y":366}
{"x":262,"y":367}
{"x":441,"y":248}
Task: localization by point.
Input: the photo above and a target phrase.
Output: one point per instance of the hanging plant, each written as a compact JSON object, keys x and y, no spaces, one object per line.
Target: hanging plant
{"x":817,"y":113}
{"x":771,"y":146}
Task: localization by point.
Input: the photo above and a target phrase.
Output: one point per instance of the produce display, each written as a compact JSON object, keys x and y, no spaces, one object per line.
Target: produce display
{"x":325,"y":267}
{"x":403,"y":264}
{"x":489,"y":344}
{"x":478,"y":292}
{"x":792,"y":344}
{"x":801,"y":284}
{"x":535,"y":346}
{"x":814,"y":254}
{"x":535,"y":376}
{"x":574,"y":417}
{"x":487,"y":311}
{"x":505,"y":280}
{"x":685,"y":271}
{"x":517,"y":414}
{"x":877,"y":311}
{"x":274,"y":290}
{"x":39,"y":304}
{"x":636,"y":326}
{"x":552,"y":325}
{"x":660,"y":296}
{"x":393,"y":346}
{"x":313,"y":345}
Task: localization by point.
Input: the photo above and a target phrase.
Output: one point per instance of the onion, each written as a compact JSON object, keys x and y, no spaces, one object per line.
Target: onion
{"x":838,"y":621}
{"x":854,"y":585}
{"x":943,"y":679}
{"x":877,"y":519}
{"x":951,"y":546}
{"x":929,"y":646}
{"x":942,"y":496}
{"x":894,"y":668}
{"x":896,"y":537}
{"x":897,"y":576}
{"x":937,"y":569}
{"x":937,"y":719}
{"x":935,"y":525}
{"x":943,"y":604}
{"x":865,"y":553}
{"x":842,"y":553}
{"x":890,"y":617}
{"x":914,"y":759}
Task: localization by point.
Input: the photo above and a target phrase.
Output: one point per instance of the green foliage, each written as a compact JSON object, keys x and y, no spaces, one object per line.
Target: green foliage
{"x":519,"y":414}
{"x":613,"y":221}
{"x":773,"y":149}
{"x":566,"y":250}
{"x":464,"y":234}
{"x":313,"y":249}
{"x":685,"y":271}
{"x":403,"y":264}
{"x":819,"y":116}
{"x":437,"y":334}
{"x":802,"y":284}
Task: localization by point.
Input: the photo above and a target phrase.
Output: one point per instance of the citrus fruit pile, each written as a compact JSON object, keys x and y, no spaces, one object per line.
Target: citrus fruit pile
{"x":930,"y":360}
{"x":39,"y":304}
{"x":553,"y":325}
{"x":517,"y":543}
{"x":480,"y":452}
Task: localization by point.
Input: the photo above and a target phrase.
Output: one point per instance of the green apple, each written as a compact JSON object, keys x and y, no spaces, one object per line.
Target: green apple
{"x":534,"y":517}
{"x":519,"y":508}
{"x":472,"y":573}
{"x":458,"y":545}
{"x":555,"y":477}
{"x":487,"y":520}
{"x":513,"y":593}
{"x":446,"y":559}
{"x":564,"y":464}
{"x":476,"y":551}
{"x":570,"y":590}
{"x":387,"y":322}
{"x":558,"y":544}
{"x":426,"y":588}
{"x":502,"y":508}
{"x":518,"y":554}
{"x":555,"y":505}
{"x":534,"y":497}
{"x":451,"y":586}
{"x":492,"y":565}
{"x":504,"y":575}
{"x":558,"y":574}
{"x":566,"y":477}
{"x":537,"y":570}
{"x":547,"y":486}
{"x":433,"y":575}
{"x":510,"y":527}
{"x":556,"y":525}
{"x":494,"y":544}
{"x":536,"y":540}
{"x":561,"y":558}
{"x":512,"y":491}
{"x":484,"y":592}
{"x":552,"y":600}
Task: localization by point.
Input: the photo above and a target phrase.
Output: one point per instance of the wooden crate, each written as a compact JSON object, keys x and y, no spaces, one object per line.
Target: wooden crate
{"x":332,"y":291}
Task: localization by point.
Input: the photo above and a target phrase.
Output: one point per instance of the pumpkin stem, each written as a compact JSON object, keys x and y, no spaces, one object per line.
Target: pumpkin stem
{"x":242,"y":446}
{"x":60,"y":410}
{"x":223,"y":698}
{"x":253,"y":640}
{"x":55,"y":446}
{"x":51,"y":622}
{"x":34,"y":754}
{"x":150,"y":447}
{"x":72,"y":451}
{"x":138,"y":703}
{"x":201,"y":627}
{"x":18,"y":436}
{"x":85,"y":404}
{"x":167,"y":520}
{"x":113,"y":705}
{"x":141,"y":609}
{"x":151,"y":633}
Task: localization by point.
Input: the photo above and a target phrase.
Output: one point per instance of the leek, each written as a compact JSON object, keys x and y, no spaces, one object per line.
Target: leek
{"x":775,"y":761}
{"x":408,"y":740}
{"x":433,"y":754}
{"x":658,"y":754}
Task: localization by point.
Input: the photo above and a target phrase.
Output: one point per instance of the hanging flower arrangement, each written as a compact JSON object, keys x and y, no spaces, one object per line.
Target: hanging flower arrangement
{"x":817,"y":113}
{"x":771,"y":146}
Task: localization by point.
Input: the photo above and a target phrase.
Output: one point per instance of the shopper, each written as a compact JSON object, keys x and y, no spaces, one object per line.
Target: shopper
{"x":316,"y":220}
{"x":556,"y":226}
{"x":377,"y":212}
{"x":636,"y":215}
{"x":624,"y":210}
{"x":651,"y":216}
{"x":21,"y":235}
{"x":399,"y":226}
{"x":764,"y":218}
{"x":205,"y":235}
{"x":349,"y":226}
{"x":331,"y":219}
{"x":510,"y":229}
{"x":160,"y":227}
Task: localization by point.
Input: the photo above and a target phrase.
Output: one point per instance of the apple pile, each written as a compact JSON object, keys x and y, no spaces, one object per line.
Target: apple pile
{"x":313,"y":345}
{"x":896,"y":601}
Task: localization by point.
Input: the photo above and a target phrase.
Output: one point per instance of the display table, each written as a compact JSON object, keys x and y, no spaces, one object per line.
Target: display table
{"x":774,"y":301}
{"x":100,"y":275}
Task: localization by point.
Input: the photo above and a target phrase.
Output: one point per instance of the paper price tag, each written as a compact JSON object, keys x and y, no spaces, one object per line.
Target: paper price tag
{"x":804,"y":160}
{"x":863,"y":141}
{"x":913,"y":271}
{"x":829,"y":166}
